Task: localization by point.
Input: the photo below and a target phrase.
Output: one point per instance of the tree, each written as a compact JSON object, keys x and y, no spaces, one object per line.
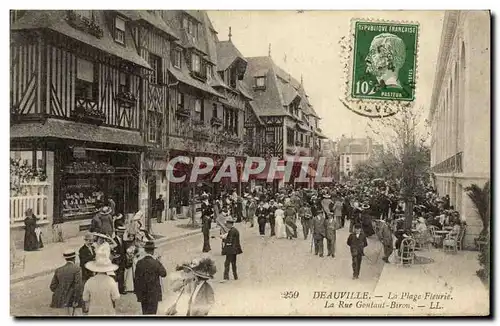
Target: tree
{"x":405,"y":139}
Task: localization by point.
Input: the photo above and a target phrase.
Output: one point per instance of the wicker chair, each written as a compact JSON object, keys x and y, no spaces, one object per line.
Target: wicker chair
{"x":450,"y":242}
{"x":461,"y":237}
{"x":436,"y":238}
{"x":407,"y":251}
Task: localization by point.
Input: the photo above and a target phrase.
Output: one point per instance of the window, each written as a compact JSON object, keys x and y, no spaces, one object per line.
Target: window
{"x":89,"y":14}
{"x":176,"y":57}
{"x":180,"y":100}
{"x":232,"y":77}
{"x":209,"y":71}
{"x":214,"y":110}
{"x":124,"y":83}
{"x":190,"y":26}
{"x":290,"y":136}
{"x":260,"y":82}
{"x":195,"y":63}
{"x":85,"y":87}
{"x":347,"y":160}
{"x":154,"y":126}
{"x":155,"y":63}
{"x":270,"y":137}
{"x":119,"y":30}
{"x":198,"y":109}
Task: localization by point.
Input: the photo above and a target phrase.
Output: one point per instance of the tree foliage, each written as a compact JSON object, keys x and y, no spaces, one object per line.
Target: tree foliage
{"x":406,"y":155}
{"x":480,"y":197}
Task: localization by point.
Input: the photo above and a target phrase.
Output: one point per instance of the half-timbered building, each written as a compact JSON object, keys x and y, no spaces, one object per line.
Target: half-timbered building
{"x":289,"y":121}
{"x":78,"y":113}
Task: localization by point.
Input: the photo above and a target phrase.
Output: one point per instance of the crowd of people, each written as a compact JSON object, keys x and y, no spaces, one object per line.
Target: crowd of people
{"x":118,"y":255}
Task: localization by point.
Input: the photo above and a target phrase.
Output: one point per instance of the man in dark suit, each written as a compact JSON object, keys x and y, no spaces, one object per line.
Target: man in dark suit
{"x":357,"y":242}
{"x":232,"y":248}
{"x":120,"y":258}
{"x":319,"y":232}
{"x":159,"y":208}
{"x":147,"y":283}
{"x":261,"y":213}
{"x":66,"y":285}
{"x":86,"y":254}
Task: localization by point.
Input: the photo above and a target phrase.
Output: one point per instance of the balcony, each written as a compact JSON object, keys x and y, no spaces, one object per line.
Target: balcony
{"x":450,"y":165}
{"x":201,"y":131}
{"x":86,"y":111}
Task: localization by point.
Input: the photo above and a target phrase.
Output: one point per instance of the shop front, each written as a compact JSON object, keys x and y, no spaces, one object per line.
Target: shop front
{"x":91,"y":176}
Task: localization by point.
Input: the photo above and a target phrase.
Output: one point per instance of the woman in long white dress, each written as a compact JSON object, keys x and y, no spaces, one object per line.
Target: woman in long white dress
{"x":280,"y":224}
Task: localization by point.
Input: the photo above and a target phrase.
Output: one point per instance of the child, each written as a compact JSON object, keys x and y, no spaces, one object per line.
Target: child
{"x":357,"y":241}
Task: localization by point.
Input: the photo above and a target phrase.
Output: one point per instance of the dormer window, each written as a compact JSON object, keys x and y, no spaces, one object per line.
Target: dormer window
{"x":209,"y":71}
{"x":195,"y":63}
{"x":233,"y":75}
{"x":176,"y":57}
{"x":190,"y":26}
{"x":119,"y":30}
{"x":260,"y":82}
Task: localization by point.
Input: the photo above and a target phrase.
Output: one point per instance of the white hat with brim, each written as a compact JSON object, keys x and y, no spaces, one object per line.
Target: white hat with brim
{"x":101,"y":267}
{"x":100,"y":235}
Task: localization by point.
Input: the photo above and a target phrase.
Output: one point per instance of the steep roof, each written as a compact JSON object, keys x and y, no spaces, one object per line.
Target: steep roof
{"x":152,"y":19}
{"x":56,"y":20}
{"x":227,"y":53}
{"x":268,"y":102}
{"x":174,"y":19}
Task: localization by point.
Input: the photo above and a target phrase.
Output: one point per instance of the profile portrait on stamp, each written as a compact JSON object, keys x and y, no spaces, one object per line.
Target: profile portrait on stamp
{"x":384,"y":61}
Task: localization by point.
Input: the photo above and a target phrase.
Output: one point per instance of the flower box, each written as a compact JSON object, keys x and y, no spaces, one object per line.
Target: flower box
{"x":182,"y":112}
{"x":216,"y":122}
{"x":126,"y":98}
{"x":90,"y":115}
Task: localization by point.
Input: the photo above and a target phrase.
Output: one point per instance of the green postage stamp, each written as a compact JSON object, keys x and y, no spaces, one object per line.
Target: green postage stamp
{"x":384,"y":61}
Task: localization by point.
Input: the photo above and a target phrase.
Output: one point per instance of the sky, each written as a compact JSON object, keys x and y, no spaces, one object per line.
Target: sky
{"x":306,"y":44}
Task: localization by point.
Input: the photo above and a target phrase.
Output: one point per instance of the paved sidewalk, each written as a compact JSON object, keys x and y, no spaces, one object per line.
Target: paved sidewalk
{"x":448,"y":273}
{"x":46,"y":260}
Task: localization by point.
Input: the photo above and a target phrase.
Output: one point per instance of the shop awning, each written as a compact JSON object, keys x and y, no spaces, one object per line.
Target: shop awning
{"x":320,"y":135}
{"x":302,"y":127}
{"x":54,"y":128}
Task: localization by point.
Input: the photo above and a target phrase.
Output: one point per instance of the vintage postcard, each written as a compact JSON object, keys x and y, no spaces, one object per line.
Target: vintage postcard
{"x":249,"y":163}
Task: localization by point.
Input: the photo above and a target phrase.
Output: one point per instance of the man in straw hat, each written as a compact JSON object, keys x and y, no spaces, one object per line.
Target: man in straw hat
{"x":101,"y":291}
{"x":147,"y":283}
{"x":232,"y":248}
{"x":385,"y":236}
{"x":66,"y":285}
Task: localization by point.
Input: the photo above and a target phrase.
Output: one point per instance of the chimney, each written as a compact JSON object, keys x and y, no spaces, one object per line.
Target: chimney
{"x":229,"y":35}
{"x":269,"y":51}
